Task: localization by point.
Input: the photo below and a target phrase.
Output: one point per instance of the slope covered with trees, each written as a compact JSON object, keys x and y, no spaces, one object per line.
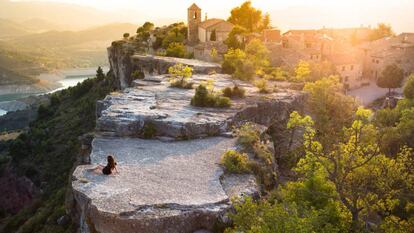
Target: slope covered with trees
{"x":46,"y":153}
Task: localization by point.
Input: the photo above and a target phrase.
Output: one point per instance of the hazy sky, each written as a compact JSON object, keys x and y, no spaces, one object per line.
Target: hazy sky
{"x":284,"y":14}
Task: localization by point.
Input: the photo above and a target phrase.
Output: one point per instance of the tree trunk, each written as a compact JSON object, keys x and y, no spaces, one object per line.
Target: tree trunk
{"x":355,"y":221}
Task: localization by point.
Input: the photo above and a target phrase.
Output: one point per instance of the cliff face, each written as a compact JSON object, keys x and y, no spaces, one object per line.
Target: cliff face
{"x":167,"y":184}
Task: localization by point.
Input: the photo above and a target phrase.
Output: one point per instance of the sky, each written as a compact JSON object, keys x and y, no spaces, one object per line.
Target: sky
{"x":284,"y":14}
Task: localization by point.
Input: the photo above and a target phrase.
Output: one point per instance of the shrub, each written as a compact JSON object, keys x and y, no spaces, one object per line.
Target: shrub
{"x":149,"y":130}
{"x":245,"y":70}
{"x":180,"y":76}
{"x":222,"y":102}
{"x":262,"y":85}
{"x":235,"y":92}
{"x":203,"y":98}
{"x":176,"y":50}
{"x":248,"y":135}
{"x":263,"y":153}
{"x":137,"y":75}
{"x":235,"y":162}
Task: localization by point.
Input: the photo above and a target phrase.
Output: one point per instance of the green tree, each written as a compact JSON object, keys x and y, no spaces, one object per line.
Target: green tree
{"x":173,"y":36}
{"x":257,"y":52}
{"x":382,"y":30}
{"x":249,"y":17}
{"x":364,"y":180}
{"x":391,"y":77}
{"x":146,"y":27}
{"x":126,"y":36}
{"x":331,"y":109}
{"x":235,"y":39}
{"x":176,"y":50}
{"x":100,"y":74}
{"x":409,"y":88}
{"x":233,"y":59}
{"x":180,"y":74}
{"x":302,"y":71}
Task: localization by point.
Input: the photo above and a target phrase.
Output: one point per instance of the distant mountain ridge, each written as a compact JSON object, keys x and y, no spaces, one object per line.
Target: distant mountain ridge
{"x":71,"y":16}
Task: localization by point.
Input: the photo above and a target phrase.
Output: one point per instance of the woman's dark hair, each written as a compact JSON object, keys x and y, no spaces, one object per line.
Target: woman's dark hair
{"x":111,"y":162}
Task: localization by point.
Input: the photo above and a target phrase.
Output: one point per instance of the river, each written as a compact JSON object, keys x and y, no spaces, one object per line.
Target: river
{"x":66,"y":78}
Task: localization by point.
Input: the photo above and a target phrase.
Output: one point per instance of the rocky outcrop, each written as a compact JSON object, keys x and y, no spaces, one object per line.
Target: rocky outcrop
{"x":123,"y":63}
{"x":167,"y":184}
{"x":161,"y":187}
{"x":168,"y":110}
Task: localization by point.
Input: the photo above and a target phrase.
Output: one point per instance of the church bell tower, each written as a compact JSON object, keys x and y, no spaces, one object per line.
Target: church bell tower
{"x":193,"y":21}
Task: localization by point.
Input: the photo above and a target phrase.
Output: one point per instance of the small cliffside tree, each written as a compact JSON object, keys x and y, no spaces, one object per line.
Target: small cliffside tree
{"x":391,"y":77}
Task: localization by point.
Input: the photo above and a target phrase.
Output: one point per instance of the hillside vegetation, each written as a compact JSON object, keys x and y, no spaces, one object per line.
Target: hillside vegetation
{"x":46,"y":153}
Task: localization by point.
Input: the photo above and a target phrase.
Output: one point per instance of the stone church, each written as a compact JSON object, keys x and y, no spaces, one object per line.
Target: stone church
{"x":202,"y":31}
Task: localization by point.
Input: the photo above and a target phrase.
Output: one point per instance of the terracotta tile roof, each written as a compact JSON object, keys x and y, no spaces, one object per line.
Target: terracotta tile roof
{"x":210,"y":22}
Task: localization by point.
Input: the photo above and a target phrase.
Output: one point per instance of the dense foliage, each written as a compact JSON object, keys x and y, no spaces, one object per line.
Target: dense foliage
{"x":346,"y":179}
{"x":391,"y":77}
{"x":244,"y":64}
{"x":250,"y":18}
{"x":47,"y":152}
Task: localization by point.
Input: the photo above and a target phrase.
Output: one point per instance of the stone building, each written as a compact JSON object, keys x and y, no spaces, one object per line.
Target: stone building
{"x":207,"y":30}
{"x":349,"y":69}
{"x":392,"y":50}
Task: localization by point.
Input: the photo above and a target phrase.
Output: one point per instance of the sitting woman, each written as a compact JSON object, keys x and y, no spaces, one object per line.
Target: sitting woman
{"x":110,"y":166}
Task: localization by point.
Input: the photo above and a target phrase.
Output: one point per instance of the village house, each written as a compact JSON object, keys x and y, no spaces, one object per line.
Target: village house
{"x":349,"y":70}
{"x":392,"y":50}
{"x":205,"y":37}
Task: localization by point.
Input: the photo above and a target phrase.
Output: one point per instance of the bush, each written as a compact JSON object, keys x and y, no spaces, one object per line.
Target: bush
{"x":176,"y":50}
{"x":202,"y":98}
{"x":222,"y":102}
{"x":149,"y":131}
{"x":248,"y":135}
{"x":245,"y":70}
{"x":180,"y":76}
{"x":235,"y":92}
{"x":235,"y":162}
{"x":262,"y":85}
{"x":137,"y":75}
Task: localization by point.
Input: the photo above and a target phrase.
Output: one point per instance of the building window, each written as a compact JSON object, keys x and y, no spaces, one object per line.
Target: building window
{"x":377,"y":61}
{"x":352,"y":67}
{"x":343,"y":68}
{"x":346,"y":78}
{"x":311,"y":57}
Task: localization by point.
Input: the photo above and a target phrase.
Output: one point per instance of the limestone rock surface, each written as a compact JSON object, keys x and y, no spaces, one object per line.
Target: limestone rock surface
{"x":161,"y":187}
{"x":170,"y":112}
